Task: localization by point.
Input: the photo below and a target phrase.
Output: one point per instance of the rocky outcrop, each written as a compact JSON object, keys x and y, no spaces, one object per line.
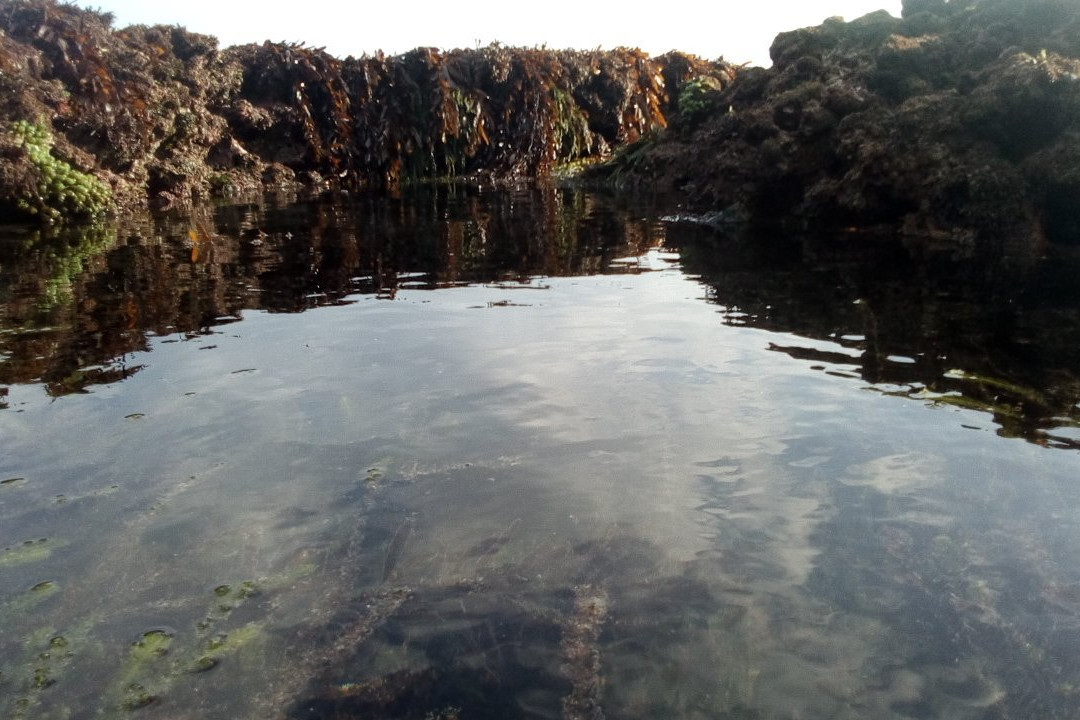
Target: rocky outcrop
{"x":161,"y":114}
{"x":958,"y":122}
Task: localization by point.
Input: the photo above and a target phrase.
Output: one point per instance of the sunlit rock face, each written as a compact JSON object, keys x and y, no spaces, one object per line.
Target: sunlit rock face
{"x":162,"y":115}
{"x":958,"y":122}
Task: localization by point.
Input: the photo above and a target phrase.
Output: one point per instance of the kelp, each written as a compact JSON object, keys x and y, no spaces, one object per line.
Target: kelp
{"x":496,"y":110}
{"x":162,"y":113}
{"x":303,"y":91}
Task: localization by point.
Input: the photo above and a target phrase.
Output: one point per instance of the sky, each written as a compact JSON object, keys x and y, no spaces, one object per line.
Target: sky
{"x":738,"y":32}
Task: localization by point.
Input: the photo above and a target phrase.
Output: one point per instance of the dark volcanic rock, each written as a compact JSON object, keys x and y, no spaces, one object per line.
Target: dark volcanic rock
{"x":958,"y":121}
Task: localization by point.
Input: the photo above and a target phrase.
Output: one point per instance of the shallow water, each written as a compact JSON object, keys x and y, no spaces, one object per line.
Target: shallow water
{"x":531,"y":453}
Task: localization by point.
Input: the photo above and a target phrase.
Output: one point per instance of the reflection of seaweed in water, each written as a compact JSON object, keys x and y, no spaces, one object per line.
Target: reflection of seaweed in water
{"x":80,"y":305}
{"x":995,"y":334}
{"x":39,"y":289}
{"x":60,"y":259}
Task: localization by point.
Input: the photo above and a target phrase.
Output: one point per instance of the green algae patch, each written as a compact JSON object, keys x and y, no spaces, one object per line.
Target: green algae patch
{"x":227,"y":598}
{"x":46,"y":656}
{"x":55,"y":191}
{"x":247,"y":640}
{"x":28,"y":552}
{"x":202,"y":664}
{"x":93,"y":494}
{"x":375,"y":472}
{"x":243,"y":591}
{"x":234,"y":640}
{"x":216,"y":648}
{"x":699,"y":96}
{"x":29,"y":600}
{"x":161,"y":659}
{"x":153,"y":644}
{"x":144,"y":674}
{"x":291,"y":575}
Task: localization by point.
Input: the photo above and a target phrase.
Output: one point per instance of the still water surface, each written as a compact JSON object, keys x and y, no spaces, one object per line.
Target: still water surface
{"x":532,"y":454}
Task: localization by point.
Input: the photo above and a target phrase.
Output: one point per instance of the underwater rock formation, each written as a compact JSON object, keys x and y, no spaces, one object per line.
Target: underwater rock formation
{"x":958,"y":122}
{"x":161,"y":114}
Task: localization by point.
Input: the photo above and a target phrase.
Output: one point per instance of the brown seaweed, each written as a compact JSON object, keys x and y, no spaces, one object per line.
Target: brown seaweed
{"x":161,"y":114}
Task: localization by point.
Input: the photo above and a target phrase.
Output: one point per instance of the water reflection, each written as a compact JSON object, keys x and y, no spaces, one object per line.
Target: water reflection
{"x":537,"y":491}
{"x":74,"y":307}
{"x":995,"y":334}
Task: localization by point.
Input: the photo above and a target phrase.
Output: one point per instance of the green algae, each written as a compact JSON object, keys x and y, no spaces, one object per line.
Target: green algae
{"x":61,"y":190}
{"x":46,"y":655}
{"x":234,"y":640}
{"x":30,"y":599}
{"x":228,"y":598}
{"x":100,"y":493}
{"x":28,"y":552}
{"x":698,"y":96}
{"x":161,"y":659}
{"x":144,"y":672}
{"x":159,"y":666}
{"x":291,"y":575}
{"x":377,"y":471}
{"x":203,"y":664}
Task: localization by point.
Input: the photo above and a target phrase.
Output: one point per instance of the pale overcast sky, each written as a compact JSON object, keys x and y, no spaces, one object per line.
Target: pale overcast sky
{"x":737,"y":31}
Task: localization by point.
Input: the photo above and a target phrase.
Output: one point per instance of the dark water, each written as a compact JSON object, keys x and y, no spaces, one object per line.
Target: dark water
{"x":533,"y":453}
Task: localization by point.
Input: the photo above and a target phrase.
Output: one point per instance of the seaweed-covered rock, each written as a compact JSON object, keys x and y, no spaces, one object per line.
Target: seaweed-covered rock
{"x":35,"y":182}
{"x":160,"y":114}
{"x":958,"y":121}
{"x":137,"y":105}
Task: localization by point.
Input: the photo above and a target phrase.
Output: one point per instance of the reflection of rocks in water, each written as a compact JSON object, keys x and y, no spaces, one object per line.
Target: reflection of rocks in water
{"x":995,"y":334}
{"x":80,"y":303}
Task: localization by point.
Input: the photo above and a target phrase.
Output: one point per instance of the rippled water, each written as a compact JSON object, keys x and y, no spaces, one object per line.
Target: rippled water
{"x":532,"y":453}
